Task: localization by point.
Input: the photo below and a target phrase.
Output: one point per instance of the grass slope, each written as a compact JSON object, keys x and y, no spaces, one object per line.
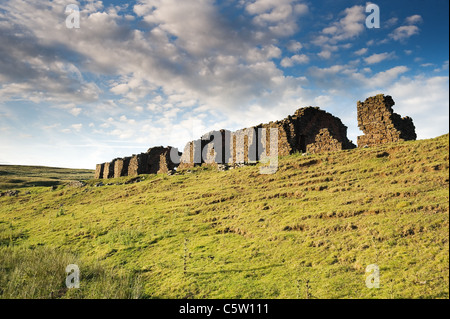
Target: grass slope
{"x":308,"y":231}
{"x":15,"y":176}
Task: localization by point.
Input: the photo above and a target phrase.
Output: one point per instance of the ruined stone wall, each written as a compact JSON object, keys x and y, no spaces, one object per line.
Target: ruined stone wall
{"x":108,"y":171}
{"x":206,"y":151}
{"x":308,"y":130}
{"x":311,"y":121}
{"x":325,"y":142}
{"x":155,"y":160}
{"x":380,"y":124}
{"x":121,"y":167}
{"x":136,"y":165}
{"x":153,"y":164}
{"x":247,"y":145}
{"x":99,"y":171}
{"x":285,"y":132}
{"x":187,"y":159}
{"x":165,"y":163}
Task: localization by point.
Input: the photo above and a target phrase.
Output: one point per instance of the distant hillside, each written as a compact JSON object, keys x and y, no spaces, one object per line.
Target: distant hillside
{"x":15,"y":176}
{"x":308,"y":231}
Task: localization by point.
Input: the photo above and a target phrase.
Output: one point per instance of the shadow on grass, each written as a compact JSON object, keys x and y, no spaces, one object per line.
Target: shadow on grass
{"x":18,"y":183}
{"x":15,"y":181}
{"x":224,"y":271}
{"x":41,"y":184}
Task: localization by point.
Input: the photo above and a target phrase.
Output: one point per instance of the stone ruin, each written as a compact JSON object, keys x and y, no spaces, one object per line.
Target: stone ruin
{"x":380,"y":124}
{"x":297,"y":133}
{"x":156,"y":160}
{"x":324,"y":143}
{"x":310,"y":130}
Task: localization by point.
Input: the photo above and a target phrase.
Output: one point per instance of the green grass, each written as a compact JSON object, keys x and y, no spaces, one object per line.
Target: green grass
{"x":320,"y":219}
{"x":15,"y":176}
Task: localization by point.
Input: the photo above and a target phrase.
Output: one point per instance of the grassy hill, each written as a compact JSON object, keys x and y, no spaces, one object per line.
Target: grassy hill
{"x":15,"y":176}
{"x":308,"y":231}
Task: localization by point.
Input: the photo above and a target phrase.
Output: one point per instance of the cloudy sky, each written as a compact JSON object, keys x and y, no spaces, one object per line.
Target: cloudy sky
{"x":145,"y":73}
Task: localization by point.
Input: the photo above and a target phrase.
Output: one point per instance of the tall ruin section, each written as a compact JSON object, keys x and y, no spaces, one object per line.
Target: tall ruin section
{"x":380,"y":124}
{"x":296,"y":133}
{"x":155,"y":160}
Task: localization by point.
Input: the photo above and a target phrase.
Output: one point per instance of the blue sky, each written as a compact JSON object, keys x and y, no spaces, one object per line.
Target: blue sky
{"x":146,"y":73}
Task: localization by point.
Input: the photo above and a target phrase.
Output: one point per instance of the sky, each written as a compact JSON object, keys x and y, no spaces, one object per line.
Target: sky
{"x":146,"y":73}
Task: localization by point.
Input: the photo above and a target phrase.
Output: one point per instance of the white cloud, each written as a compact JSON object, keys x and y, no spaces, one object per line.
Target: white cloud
{"x":414,"y":19}
{"x":444,"y":67}
{"x":294,"y":46}
{"x":277,"y":13}
{"x":379,"y":80}
{"x":75,"y":111}
{"x":280,"y":17}
{"x":70,"y":107}
{"x":361,"y":51}
{"x":295,"y":59}
{"x":390,"y":22}
{"x":275,"y":10}
{"x":27,"y":35}
{"x":379,"y":57}
{"x":385,"y":77}
{"x":348,"y":77}
{"x":51,"y":126}
{"x":120,"y":89}
{"x":191,"y":52}
{"x":77,"y":127}
{"x":324,"y":101}
{"x":349,"y":27}
{"x":404,"y":32}
{"x":255,"y":55}
{"x":325,"y":54}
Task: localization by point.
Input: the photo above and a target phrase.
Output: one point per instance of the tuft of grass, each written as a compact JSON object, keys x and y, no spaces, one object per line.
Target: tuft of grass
{"x":39,"y":273}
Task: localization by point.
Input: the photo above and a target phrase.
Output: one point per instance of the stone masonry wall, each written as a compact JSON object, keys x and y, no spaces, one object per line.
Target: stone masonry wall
{"x":325,"y":142}
{"x":310,"y":129}
{"x":380,"y":124}
{"x":295,"y":133}
{"x":121,"y":167}
{"x":99,"y":170}
{"x":155,"y":160}
{"x":108,"y":171}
